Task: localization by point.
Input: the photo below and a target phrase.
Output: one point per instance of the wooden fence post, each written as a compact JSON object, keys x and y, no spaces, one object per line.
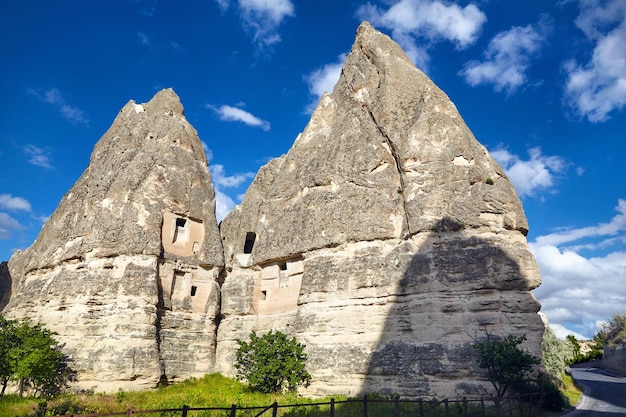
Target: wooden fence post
{"x":233,"y":410}
{"x":332,"y":407}
{"x":464,"y":406}
{"x":447,"y":408}
{"x":129,"y":412}
{"x":482,"y":406}
{"x":365,"y":406}
{"x":421,"y":403}
{"x":275,"y":409}
{"x":396,"y":411}
{"x":185,"y":410}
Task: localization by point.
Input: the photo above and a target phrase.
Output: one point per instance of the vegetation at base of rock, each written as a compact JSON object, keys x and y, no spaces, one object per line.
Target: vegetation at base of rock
{"x":31,"y":357}
{"x":612,"y":333}
{"x":557,"y":353}
{"x":510,"y":368}
{"x":506,"y":364}
{"x":213,"y":390}
{"x":272,"y":362}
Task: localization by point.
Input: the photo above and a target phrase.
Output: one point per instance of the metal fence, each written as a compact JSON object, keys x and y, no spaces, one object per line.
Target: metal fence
{"x":365,"y":407}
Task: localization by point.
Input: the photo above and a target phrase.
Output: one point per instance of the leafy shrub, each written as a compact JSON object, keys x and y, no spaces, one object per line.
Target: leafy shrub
{"x":272,"y":362}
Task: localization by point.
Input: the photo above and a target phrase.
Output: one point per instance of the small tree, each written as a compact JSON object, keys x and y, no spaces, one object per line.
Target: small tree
{"x":507,"y":365}
{"x":272,"y":362}
{"x":30,"y":355}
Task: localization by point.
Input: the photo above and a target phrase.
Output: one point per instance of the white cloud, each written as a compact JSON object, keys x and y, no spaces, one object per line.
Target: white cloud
{"x":218,"y":173}
{"x":615,"y":226}
{"x":433,"y":20}
{"x":235,"y":114}
{"x":54,"y":97}
{"x":323,"y":80}
{"x":507,"y":59}
{"x":37,"y":156}
{"x":578,"y":291}
{"x":562,"y":332}
{"x":8,"y":225}
{"x":598,"y":87}
{"x":262,"y":18}
{"x":144,"y":39}
{"x":223,"y":205}
{"x":223,"y":202}
{"x":8,"y":202}
{"x":533,"y":175}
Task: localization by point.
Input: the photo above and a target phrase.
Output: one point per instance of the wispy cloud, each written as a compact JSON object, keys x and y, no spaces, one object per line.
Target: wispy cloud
{"x":8,"y":202}
{"x":572,"y":283}
{"x":8,"y":225}
{"x":235,"y":114}
{"x":323,"y":80}
{"x":262,"y":18}
{"x":432,"y":20}
{"x":533,"y":175}
{"x":596,"y":88}
{"x":37,"y":156}
{"x":144,"y":39}
{"x":507,"y":59}
{"x":54,"y":97}
{"x":223,"y":202}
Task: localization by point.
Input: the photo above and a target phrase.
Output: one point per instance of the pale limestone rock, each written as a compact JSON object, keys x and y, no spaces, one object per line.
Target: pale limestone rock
{"x":386,"y":239}
{"x":125,"y":269}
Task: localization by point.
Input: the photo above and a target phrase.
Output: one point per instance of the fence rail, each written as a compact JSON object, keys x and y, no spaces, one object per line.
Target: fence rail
{"x":516,"y":406}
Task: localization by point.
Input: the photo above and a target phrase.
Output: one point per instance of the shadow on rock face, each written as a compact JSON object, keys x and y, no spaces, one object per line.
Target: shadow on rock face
{"x":5,"y":285}
{"x":456,"y":286}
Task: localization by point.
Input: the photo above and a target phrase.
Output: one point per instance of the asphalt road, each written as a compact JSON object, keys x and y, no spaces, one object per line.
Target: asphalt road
{"x":605,"y":394}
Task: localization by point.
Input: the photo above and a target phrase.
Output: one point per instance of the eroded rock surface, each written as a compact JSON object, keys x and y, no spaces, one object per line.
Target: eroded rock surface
{"x":125,"y":269}
{"x":385,"y":239}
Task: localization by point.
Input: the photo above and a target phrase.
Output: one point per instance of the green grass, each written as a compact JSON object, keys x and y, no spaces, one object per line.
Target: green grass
{"x":571,"y":391}
{"x":213,"y":390}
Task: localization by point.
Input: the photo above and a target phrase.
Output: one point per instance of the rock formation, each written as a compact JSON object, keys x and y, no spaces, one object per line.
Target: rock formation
{"x":386,"y":240}
{"x":125,"y":269}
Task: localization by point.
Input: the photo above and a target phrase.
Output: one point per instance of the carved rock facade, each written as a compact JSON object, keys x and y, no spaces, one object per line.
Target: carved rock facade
{"x":386,"y":239}
{"x":126,"y":268}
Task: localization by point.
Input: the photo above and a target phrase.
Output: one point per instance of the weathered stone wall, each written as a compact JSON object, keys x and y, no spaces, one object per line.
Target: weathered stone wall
{"x":412,"y":239}
{"x":125,"y":269}
{"x":387,"y":239}
{"x":614,"y":359}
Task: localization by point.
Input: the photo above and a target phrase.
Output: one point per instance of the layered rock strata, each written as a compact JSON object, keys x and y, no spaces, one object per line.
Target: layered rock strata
{"x":386,"y":239}
{"x":125,"y":269}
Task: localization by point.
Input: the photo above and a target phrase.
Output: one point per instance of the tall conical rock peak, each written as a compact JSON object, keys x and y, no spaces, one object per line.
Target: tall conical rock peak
{"x":113,"y":268}
{"x":385,"y":239}
{"x":386,"y":141}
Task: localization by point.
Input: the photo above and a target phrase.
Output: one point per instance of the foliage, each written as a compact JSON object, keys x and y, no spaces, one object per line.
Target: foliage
{"x":571,"y":391}
{"x":272,"y":362}
{"x":613,"y":332}
{"x":556,"y":353}
{"x":30,"y":355}
{"x":506,"y":364}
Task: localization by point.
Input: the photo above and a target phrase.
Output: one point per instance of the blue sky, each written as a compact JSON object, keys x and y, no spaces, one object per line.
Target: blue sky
{"x":542,"y":84}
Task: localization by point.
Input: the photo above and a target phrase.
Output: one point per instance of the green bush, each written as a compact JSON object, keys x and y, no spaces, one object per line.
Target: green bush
{"x":272,"y":362}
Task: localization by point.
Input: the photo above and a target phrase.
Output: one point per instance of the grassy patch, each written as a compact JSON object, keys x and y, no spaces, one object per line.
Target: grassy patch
{"x":571,"y":391}
{"x":215,"y":390}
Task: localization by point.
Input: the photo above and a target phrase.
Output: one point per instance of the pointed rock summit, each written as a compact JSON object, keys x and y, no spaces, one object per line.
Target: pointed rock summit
{"x":386,"y":240}
{"x":125,"y":269}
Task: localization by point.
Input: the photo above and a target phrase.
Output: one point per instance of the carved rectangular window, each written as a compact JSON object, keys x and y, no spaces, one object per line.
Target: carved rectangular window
{"x":181,"y":231}
{"x":249,"y":244}
{"x":263,"y":295}
{"x":193,"y":290}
